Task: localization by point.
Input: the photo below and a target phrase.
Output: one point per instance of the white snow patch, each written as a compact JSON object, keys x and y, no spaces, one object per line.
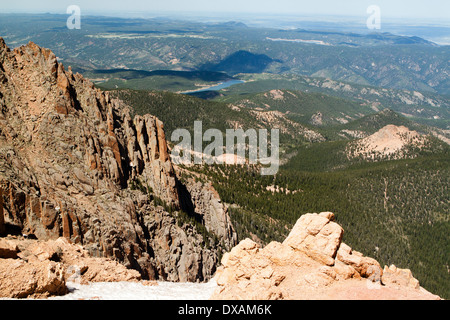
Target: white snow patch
{"x":138,"y":291}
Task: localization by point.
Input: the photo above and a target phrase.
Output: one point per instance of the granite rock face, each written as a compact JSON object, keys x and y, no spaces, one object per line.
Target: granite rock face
{"x":75,"y":164}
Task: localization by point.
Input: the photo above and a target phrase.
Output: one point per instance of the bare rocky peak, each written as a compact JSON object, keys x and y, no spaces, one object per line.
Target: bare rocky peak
{"x":74,"y":163}
{"x":390,"y":140}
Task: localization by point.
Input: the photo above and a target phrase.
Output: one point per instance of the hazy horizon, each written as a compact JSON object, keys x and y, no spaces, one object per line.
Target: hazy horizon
{"x":413,"y":9}
{"x":430,"y":21}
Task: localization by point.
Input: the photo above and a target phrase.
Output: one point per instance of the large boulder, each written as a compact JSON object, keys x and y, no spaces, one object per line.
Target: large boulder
{"x":8,"y":249}
{"x":316,"y":235}
{"x":39,"y":269}
{"x":367,"y":267}
{"x":19,"y":279}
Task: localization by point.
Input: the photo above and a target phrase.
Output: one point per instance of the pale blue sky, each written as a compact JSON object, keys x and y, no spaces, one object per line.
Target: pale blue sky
{"x":425,"y":9}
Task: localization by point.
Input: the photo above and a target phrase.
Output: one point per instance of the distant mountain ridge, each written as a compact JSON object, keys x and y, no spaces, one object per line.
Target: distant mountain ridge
{"x":383,"y":60}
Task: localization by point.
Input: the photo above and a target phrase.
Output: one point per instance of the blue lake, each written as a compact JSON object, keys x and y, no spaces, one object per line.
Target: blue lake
{"x":220,"y":86}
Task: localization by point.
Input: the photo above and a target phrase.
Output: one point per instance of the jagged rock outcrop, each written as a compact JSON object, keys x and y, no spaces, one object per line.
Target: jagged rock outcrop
{"x":75,"y":164}
{"x":312,"y":263}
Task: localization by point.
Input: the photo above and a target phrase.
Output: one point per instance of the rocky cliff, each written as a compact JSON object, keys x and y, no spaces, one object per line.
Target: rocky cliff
{"x":75,"y":164}
{"x":311,"y":264}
